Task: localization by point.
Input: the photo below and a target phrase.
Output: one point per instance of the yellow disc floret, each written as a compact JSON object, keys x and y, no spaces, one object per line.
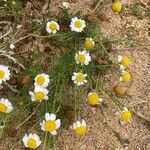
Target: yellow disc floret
{"x":116,"y":7}
{"x":2,"y":74}
{"x":31,"y":143}
{"x":78,"y":24}
{"x":92,"y":99}
{"x":80,"y":130}
{"x":39,"y":96}
{"x":125,"y":61}
{"x":89,"y":44}
{"x":79,"y":77}
{"x":53,"y":26}
{"x":126,"y":77}
{"x":126,"y":116}
{"x":40,"y":80}
{"x":50,"y":125}
{"x":3,"y":107}
{"x":81,"y":58}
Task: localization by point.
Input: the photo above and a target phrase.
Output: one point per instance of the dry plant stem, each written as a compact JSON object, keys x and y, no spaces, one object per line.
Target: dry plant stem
{"x":75,"y":103}
{"x":6,"y":34}
{"x":38,"y":36}
{"x":28,"y":117}
{"x":97,"y":5}
{"x":13,"y":59}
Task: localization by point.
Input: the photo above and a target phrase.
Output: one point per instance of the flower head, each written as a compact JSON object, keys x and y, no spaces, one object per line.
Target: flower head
{"x":4,"y":73}
{"x":126,"y":76}
{"x":124,"y":61}
{"x":116,"y":7}
{"x":79,"y":127}
{"x":42,"y":80}
{"x":5,"y":106}
{"x":50,"y":123}
{"x":66,"y":5}
{"x":39,"y":94}
{"x":93,"y":99}
{"x":89,"y":43}
{"x":79,"y":78}
{"x":77,"y":25}
{"x":82,"y":57}
{"x":31,"y":141}
{"x":125,"y":115}
{"x":52,"y":27}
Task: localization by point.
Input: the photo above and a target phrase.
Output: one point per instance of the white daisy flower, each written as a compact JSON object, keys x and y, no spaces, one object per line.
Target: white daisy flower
{"x":31,"y":141}
{"x":52,"y":27}
{"x":77,"y":25}
{"x":50,"y":123}
{"x":42,"y":80}
{"x":4,"y":73}
{"x":93,"y":99}
{"x":82,"y":57}
{"x":79,"y":78}
{"x":125,"y":76}
{"x":39,"y":94}
{"x":79,"y":127}
{"x":5,"y":106}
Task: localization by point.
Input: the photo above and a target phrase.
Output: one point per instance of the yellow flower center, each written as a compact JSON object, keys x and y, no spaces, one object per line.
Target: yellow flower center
{"x":125,"y":62}
{"x":126,"y":77}
{"x":3,"y":107}
{"x":80,"y":130}
{"x":88,"y":44}
{"x":116,"y":7}
{"x":126,"y":116}
{"x":40,"y":80}
{"x":93,"y":99}
{"x":53,"y":26}
{"x":2,"y":74}
{"x":39,"y":96}
{"x":78,"y":24}
{"x":79,"y":77}
{"x":31,"y":143}
{"x":50,"y":125}
{"x":81,"y":58}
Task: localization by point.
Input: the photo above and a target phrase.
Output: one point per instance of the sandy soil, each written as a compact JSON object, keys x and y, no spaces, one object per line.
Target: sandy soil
{"x":137,"y":132}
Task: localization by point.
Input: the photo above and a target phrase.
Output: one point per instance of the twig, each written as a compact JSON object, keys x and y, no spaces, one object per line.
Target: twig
{"x":6,"y":34}
{"x":28,"y":117}
{"x":97,"y":5}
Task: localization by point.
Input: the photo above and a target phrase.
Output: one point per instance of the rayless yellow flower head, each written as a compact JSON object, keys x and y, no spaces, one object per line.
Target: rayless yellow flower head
{"x":5,"y":106}
{"x":89,"y":43}
{"x":77,"y":25}
{"x":124,"y":61}
{"x":52,"y":27}
{"x":79,"y":78}
{"x":42,"y":80}
{"x":50,"y":124}
{"x":125,"y":115}
{"x":4,"y":73}
{"x":116,"y":7}
{"x":31,"y":141}
{"x":66,"y":5}
{"x":125,"y":76}
{"x":79,"y":127}
{"x":39,"y":94}
{"x":82,"y":57}
{"x":93,"y":99}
